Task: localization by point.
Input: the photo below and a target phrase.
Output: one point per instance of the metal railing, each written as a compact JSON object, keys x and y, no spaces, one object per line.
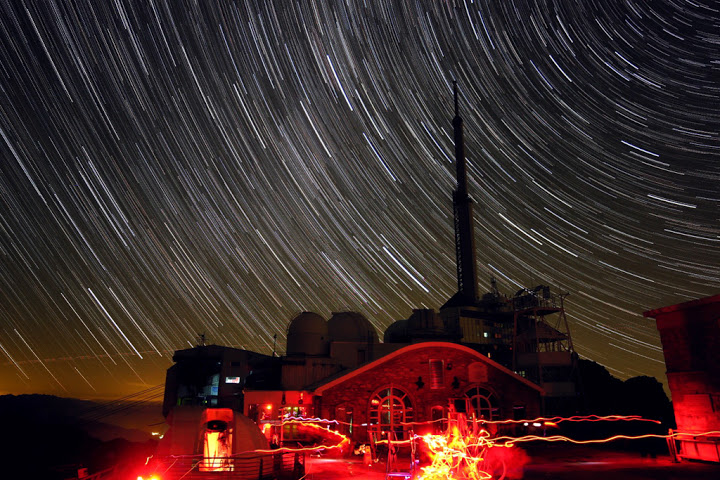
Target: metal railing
{"x":252,"y":466}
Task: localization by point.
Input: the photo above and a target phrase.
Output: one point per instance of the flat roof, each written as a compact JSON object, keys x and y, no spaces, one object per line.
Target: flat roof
{"x":682,"y":306}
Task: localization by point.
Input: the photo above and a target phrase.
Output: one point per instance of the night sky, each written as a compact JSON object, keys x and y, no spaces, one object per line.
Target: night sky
{"x":169,"y":168}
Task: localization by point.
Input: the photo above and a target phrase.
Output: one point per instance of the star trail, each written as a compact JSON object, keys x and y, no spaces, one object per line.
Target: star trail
{"x":170,"y":168}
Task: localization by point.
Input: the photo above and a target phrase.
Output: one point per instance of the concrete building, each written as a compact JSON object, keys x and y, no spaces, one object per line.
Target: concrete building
{"x":210,"y":376}
{"x":690,"y":335}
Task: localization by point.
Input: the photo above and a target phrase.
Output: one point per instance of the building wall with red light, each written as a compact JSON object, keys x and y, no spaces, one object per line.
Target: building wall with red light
{"x":690,"y":335}
{"x":461,"y":370}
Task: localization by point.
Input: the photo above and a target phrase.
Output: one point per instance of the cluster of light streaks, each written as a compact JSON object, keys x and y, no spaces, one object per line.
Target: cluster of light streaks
{"x":175,"y":167}
{"x":336,"y":440}
{"x":455,"y":455}
{"x":466,"y":450}
{"x":509,"y":441}
{"x":467,"y":456}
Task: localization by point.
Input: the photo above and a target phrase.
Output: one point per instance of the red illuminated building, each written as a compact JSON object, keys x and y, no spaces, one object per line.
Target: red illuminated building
{"x":339,"y":370}
{"x":371,"y":387}
{"x":690,"y":335}
{"x":418,"y":384}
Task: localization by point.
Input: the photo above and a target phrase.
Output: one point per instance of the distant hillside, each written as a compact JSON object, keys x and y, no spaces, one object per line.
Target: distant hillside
{"x":101,"y":420}
{"x":52,"y":437}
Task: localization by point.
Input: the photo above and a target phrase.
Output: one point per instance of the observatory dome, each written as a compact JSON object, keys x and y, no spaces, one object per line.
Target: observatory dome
{"x":351,"y":327}
{"x":308,"y":334}
{"x":397,"y":332}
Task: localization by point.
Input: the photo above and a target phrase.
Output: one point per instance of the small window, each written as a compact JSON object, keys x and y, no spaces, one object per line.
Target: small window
{"x":344,"y":416}
{"x":437,"y":370}
{"x":254,"y":412}
{"x":439,"y":422}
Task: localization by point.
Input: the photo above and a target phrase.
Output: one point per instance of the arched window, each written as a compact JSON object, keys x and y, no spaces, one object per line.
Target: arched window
{"x":484,"y":403}
{"x":389,"y":409}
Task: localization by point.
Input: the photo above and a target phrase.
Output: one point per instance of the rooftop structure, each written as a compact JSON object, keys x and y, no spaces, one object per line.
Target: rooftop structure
{"x":690,"y":335}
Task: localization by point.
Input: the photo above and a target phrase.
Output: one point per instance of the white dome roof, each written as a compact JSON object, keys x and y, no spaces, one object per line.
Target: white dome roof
{"x":308,"y":322}
{"x":308,"y":334}
{"x":397,"y":332}
{"x":351,"y":327}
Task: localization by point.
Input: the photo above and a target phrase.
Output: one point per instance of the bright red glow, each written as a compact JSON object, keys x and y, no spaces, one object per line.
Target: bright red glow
{"x":332,"y":440}
{"x":455,"y":455}
{"x":217,"y":440}
{"x":216,"y":452}
{"x":464,"y":454}
{"x":268,"y":407}
{"x":467,"y":451}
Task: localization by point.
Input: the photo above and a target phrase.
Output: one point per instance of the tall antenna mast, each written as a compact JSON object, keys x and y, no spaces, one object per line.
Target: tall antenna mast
{"x":462,"y":206}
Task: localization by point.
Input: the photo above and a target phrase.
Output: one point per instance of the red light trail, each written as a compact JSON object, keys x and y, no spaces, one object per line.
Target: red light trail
{"x":341,"y":441}
{"x":468,"y":451}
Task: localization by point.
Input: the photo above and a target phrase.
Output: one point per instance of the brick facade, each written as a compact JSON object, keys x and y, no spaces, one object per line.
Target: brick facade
{"x":462,"y":369}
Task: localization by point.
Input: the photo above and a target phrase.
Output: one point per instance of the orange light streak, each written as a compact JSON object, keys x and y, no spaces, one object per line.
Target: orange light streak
{"x":465,"y":453}
{"x":469,"y":452}
{"x":510,"y":441}
{"x":313,"y":420}
{"x":579,"y":418}
{"x":342,"y":440}
{"x":457,"y":455}
{"x":549,"y":421}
